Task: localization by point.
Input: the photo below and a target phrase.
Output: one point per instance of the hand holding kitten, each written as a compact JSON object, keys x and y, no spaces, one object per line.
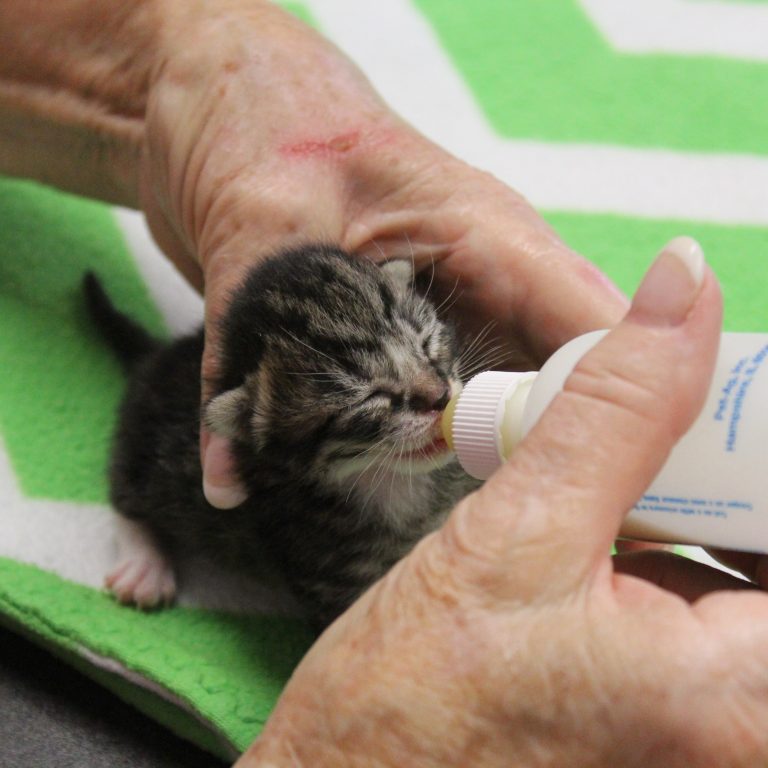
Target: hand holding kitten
{"x":237,"y":163}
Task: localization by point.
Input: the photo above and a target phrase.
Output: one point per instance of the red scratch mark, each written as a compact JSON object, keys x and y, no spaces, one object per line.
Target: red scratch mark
{"x":340,"y":144}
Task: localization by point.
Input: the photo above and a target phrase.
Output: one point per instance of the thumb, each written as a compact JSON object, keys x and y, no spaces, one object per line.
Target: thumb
{"x":548,"y":516}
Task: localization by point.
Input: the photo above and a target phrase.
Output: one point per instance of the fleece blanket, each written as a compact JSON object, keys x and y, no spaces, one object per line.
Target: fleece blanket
{"x":625,"y":122}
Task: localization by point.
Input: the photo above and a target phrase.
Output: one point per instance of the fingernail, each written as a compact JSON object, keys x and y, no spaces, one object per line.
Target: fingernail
{"x":218,"y":469}
{"x":670,"y":287}
{"x":224,"y":496}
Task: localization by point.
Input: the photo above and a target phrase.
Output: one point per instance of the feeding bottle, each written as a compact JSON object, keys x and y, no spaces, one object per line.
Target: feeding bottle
{"x":713,"y":489}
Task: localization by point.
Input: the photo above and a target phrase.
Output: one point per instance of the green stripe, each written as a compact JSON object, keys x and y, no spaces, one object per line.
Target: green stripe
{"x":60,"y":386}
{"x":300,"y":10}
{"x":541,"y":70}
{"x":623,"y":247}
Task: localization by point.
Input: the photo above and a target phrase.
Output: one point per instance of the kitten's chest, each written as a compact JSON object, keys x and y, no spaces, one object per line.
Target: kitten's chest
{"x":407,"y":504}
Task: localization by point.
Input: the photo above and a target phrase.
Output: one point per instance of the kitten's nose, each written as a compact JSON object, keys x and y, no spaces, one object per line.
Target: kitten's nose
{"x":432,"y":398}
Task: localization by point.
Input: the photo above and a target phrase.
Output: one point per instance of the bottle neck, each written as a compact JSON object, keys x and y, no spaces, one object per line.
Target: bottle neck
{"x":511,"y":426}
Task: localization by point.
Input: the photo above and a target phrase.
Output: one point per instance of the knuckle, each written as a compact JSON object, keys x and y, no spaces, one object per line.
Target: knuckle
{"x":444,"y":570}
{"x":633,"y":391}
{"x":434,"y":571}
{"x":465,"y":560}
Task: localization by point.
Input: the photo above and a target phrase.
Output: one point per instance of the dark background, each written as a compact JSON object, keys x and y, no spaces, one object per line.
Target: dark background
{"x":51,"y":715}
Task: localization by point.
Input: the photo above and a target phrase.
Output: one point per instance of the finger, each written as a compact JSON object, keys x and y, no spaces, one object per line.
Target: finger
{"x":563,"y":495}
{"x":489,"y":256}
{"x":537,"y":288}
{"x":684,"y":577}
{"x":169,"y":238}
{"x":753,"y":566}
{"x":221,"y":485}
{"x":248,"y":227}
{"x":225,"y":271}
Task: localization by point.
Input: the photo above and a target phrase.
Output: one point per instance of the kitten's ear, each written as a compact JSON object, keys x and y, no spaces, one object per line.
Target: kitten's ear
{"x":228,"y":414}
{"x":400,"y":272}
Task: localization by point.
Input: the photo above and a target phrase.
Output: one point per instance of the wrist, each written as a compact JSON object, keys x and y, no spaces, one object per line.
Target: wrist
{"x":73,"y":87}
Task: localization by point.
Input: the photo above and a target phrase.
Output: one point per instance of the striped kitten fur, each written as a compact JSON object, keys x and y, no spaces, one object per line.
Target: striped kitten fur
{"x":334,"y":374}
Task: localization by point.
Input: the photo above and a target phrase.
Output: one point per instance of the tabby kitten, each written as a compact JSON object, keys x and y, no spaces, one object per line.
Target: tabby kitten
{"x":334,"y":375}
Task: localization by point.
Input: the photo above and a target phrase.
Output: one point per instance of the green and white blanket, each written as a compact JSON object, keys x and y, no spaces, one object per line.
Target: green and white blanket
{"x":625,"y":122}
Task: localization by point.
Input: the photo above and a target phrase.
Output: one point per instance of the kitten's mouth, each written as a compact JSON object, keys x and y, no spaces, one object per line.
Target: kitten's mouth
{"x":426,"y":458}
{"x":436,"y":448}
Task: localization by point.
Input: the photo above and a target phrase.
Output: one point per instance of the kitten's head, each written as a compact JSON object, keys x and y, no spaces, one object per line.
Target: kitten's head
{"x":334,"y":357}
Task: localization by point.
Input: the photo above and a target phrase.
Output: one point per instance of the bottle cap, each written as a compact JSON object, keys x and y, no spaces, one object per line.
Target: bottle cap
{"x":486,"y":421}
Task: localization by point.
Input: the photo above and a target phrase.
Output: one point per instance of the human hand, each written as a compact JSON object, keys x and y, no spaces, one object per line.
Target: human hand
{"x":260,"y":134}
{"x":510,"y":637}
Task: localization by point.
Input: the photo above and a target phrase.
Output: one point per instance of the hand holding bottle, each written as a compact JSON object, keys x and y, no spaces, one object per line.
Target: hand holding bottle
{"x":510,"y":637}
{"x":712,"y":489}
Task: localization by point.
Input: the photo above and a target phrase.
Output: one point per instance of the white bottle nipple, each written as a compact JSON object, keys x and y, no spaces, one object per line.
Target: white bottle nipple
{"x":484,"y":423}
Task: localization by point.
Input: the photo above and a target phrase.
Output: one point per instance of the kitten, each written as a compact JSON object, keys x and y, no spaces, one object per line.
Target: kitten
{"x":334,"y":375}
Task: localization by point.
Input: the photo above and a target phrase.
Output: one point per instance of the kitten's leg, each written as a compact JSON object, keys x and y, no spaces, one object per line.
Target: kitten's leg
{"x":143,"y":576}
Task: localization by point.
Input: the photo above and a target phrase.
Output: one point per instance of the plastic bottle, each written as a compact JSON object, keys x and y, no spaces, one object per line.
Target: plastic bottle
{"x":713,"y":490}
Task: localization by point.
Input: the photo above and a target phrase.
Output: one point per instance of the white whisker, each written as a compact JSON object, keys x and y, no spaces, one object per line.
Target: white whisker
{"x":380,"y":470}
{"x":432,"y":276}
{"x":413,"y":266}
{"x":485,"y":364}
{"x":478,"y":339}
{"x":486,"y":350}
{"x":377,"y":444}
{"x":477,"y":345}
{"x":441,"y":307}
{"x":379,"y":249}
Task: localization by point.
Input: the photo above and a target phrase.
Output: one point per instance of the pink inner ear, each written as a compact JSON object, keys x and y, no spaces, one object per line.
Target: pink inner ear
{"x":221,"y":486}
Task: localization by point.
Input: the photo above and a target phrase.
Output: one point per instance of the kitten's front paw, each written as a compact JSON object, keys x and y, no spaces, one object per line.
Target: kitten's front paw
{"x":143,"y":576}
{"x":144,"y":581}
